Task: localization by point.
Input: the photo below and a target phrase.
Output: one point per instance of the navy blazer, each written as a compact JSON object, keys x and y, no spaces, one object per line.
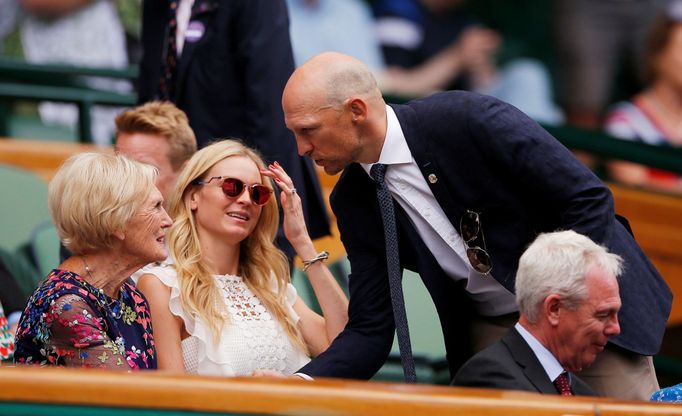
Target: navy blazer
{"x":486,"y":156}
{"x":511,"y":364}
{"x":229,"y":82}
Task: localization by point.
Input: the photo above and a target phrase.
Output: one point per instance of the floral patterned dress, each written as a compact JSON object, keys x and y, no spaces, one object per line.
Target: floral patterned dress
{"x":72,"y":323}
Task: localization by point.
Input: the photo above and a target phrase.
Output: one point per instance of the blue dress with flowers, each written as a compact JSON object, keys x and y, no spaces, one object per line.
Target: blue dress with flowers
{"x":69,"y":322}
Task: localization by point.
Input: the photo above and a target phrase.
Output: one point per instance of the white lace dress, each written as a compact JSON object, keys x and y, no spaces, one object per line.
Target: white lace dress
{"x":251,"y":338}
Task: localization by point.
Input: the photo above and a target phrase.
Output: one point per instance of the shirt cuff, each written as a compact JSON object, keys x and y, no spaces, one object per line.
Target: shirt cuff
{"x":304,"y":376}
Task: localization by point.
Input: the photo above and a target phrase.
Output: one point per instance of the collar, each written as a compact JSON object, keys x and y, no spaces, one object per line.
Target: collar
{"x":546,"y":358}
{"x":395,"y":150}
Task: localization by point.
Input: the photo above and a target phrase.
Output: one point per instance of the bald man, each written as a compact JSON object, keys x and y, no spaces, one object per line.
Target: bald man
{"x":473,"y":181}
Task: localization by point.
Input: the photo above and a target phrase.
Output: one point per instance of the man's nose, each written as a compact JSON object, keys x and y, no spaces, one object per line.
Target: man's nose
{"x":612,"y":327}
{"x":303,"y":146}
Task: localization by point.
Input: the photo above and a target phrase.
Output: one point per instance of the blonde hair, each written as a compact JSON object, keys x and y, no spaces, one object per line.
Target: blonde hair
{"x":259,"y":259}
{"x":165,"y":119}
{"x":92,"y":195}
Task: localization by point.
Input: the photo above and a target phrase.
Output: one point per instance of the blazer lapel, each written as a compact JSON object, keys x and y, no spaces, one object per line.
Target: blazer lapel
{"x":428,"y":164}
{"x":526,"y":358}
{"x":197,"y":32}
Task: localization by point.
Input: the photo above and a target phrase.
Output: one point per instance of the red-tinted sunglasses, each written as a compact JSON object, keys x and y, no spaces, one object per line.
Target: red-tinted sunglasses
{"x":233,"y":188}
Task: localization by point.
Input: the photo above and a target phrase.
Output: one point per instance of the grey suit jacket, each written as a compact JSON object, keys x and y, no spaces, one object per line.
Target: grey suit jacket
{"x":512,"y":365}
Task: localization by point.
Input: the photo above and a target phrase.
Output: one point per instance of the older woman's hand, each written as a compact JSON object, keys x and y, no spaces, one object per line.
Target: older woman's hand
{"x":294,"y":222}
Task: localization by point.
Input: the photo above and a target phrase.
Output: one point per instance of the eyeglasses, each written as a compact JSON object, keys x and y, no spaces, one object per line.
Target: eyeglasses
{"x":469,"y":229}
{"x":233,"y":188}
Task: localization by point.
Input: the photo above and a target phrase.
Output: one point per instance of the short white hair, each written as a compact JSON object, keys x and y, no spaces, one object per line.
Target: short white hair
{"x":92,"y":195}
{"x":557,"y":263}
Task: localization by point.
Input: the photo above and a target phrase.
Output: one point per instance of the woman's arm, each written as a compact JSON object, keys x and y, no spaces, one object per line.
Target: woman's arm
{"x":317,"y":331}
{"x":77,"y":337}
{"x":167,"y":327}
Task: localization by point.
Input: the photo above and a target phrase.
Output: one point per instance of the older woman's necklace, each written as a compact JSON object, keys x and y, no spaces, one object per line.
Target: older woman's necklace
{"x":107,"y":305}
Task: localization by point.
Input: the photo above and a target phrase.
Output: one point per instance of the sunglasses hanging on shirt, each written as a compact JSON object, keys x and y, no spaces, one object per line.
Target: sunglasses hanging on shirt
{"x":469,"y":230}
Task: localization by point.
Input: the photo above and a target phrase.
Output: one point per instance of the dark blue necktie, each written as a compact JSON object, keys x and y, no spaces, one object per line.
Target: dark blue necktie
{"x":170,"y":56}
{"x":378,"y":171}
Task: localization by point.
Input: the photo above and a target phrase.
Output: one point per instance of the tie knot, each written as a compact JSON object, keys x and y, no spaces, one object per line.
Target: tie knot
{"x":563,"y":384}
{"x":377,"y":172}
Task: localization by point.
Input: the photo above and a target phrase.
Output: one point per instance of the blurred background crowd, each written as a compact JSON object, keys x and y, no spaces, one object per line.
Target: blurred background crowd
{"x":610,"y":65}
{"x":560,"y":61}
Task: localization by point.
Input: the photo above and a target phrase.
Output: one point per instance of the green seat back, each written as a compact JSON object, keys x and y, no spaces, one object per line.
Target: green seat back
{"x":23,"y":206}
{"x":45,"y":248}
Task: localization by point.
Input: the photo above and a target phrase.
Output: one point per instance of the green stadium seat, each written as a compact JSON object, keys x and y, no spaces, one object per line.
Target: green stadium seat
{"x":23,"y":206}
{"x":45,"y":247}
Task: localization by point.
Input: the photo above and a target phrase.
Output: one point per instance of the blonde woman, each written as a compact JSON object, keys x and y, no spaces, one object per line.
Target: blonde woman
{"x":222,"y":304}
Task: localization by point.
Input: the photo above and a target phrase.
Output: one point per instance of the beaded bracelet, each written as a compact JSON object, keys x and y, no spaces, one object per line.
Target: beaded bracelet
{"x":321,"y":256}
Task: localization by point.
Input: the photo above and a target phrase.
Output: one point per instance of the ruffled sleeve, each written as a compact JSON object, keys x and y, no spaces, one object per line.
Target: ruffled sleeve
{"x":198,"y":351}
{"x":168,"y":276}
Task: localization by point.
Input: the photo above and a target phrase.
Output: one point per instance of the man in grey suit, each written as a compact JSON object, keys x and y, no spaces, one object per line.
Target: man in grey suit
{"x":568,"y":299}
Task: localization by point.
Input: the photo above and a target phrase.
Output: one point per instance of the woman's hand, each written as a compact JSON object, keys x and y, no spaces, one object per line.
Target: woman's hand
{"x":294,"y":223}
{"x":268,"y":373}
{"x":317,"y":331}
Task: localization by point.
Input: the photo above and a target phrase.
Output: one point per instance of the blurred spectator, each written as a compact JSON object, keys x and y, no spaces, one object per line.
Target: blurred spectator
{"x":345,"y":26}
{"x":225,"y":66}
{"x":158,"y":134}
{"x":79,"y":32}
{"x":598,"y":44}
{"x":7,"y":19}
{"x":654,"y":116}
{"x":433,"y":45}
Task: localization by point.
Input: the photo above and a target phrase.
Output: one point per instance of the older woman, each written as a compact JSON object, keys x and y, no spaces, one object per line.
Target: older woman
{"x":225,"y":305}
{"x":109,"y":214}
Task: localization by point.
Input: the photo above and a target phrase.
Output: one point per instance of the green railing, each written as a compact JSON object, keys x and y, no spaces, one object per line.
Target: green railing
{"x":604,"y":146}
{"x":599,"y":144}
{"x":20,"y":80}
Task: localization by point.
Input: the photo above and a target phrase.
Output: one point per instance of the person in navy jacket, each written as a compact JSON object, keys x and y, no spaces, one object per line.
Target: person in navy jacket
{"x":233,"y":60}
{"x":456,"y":159}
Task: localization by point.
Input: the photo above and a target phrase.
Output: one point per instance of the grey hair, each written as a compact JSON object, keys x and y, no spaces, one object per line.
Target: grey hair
{"x":557,"y":263}
{"x":350,"y":80}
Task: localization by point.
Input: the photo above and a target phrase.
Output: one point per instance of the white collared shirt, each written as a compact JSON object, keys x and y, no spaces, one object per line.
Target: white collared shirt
{"x":183,"y":15}
{"x":409,"y":188}
{"x":549,"y":363}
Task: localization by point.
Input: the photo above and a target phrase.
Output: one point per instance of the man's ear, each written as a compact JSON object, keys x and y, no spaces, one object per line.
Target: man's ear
{"x":358,"y":109}
{"x":551,"y":307}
